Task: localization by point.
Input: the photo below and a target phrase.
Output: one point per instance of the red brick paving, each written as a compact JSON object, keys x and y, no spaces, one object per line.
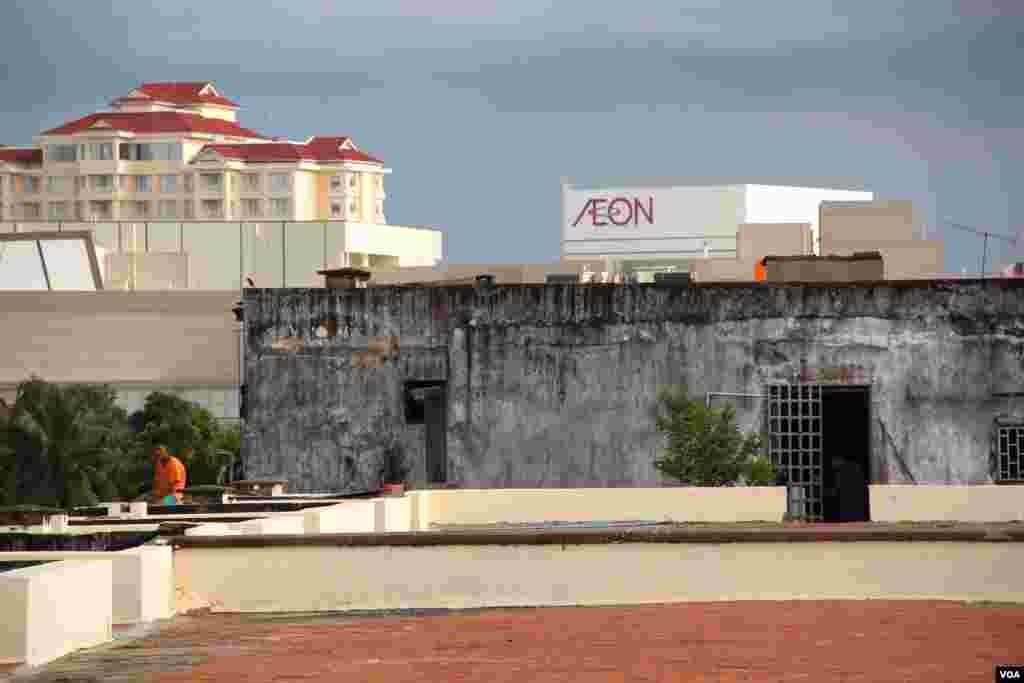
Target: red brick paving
{"x":876,"y":641}
{"x":727,"y":641}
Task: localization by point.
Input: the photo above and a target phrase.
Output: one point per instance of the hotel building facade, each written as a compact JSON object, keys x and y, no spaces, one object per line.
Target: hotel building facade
{"x":127,"y":235}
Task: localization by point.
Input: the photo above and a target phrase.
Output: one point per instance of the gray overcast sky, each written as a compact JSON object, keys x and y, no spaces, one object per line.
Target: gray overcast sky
{"x":481,"y":106}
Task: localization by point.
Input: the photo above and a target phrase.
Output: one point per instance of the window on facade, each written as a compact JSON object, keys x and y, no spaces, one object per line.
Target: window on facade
{"x":279,"y":208}
{"x":31,"y":210}
{"x":213,"y":208}
{"x":102,"y":183}
{"x":97,"y":151}
{"x":211,"y":182}
{"x":56,"y":184}
{"x":151,"y":151}
{"x":171,"y":151}
{"x":251,"y":208}
{"x":140,"y":209}
{"x":280,"y":183}
{"x":188,"y":209}
{"x":103,"y":210}
{"x":336,"y":210}
{"x":143,"y":183}
{"x":31,"y":184}
{"x":168,"y":209}
{"x":168,"y":183}
{"x":251,"y":182}
{"x":63,"y":153}
{"x":336,"y":183}
{"x":58,"y":211}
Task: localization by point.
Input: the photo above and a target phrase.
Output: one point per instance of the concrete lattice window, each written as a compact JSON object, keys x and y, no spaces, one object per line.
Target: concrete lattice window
{"x":1009,"y":452}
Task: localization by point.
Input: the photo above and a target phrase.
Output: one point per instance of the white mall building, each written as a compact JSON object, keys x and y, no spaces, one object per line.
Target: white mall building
{"x":650,"y":225}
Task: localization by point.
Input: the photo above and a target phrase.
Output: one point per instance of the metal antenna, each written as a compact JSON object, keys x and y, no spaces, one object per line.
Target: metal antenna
{"x":984,"y":234}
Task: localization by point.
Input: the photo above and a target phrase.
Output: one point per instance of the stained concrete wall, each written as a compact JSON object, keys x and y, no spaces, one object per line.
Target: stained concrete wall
{"x":555,"y":386}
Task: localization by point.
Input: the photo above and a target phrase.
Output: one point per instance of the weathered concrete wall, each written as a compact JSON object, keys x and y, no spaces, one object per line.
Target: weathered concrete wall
{"x":556,"y":385}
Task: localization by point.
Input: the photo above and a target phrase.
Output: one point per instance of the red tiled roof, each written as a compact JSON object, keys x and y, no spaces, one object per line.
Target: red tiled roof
{"x":183,"y":93}
{"x":323,"y":149}
{"x":156,"y":122}
{"x":22,"y":155}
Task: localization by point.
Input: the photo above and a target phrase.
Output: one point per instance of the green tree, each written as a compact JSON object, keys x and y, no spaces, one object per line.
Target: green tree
{"x":189,"y":431}
{"x":8,"y":463}
{"x":705,"y":447}
{"x":66,"y":443}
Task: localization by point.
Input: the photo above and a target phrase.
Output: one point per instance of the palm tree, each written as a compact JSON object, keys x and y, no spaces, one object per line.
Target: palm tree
{"x":74,"y":436}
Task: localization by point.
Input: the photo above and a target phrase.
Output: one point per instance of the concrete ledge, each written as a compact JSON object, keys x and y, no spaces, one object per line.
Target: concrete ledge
{"x":142,"y":579}
{"x":668,"y":533}
{"x":456,"y":575}
{"x":52,"y":609}
{"x":392,"y":514}
{"x":278,"y":524}
{"x":357,"y":516}
{"x":213,"y":529}
{"x":940,"y":502}
{"x":668,"y":504}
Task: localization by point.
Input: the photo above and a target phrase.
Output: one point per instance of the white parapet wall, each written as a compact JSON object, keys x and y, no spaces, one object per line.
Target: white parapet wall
{"x":351,"y":516}
{"x":142,"y":581}
{"x":392,"y":514}
{"x":285,"y":523}
{"x":52,"y":609}
{"x":526,"y":506}
{"x":946,"y":503}
{"x":332,"y":577}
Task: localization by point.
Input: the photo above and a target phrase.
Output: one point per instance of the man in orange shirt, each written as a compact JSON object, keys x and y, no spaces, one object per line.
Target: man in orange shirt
{"x":760,"y":271}
{"x":168,"y":475}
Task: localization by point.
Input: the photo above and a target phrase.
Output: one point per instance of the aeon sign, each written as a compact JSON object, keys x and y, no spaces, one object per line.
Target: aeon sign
{"x":617,"y":211}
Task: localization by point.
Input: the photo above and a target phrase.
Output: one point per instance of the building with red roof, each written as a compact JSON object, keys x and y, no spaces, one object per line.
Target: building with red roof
{"x":176,"y":151}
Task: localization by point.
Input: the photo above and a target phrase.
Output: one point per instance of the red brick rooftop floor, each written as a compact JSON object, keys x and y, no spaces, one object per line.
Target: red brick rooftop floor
{"x":873,"y":641}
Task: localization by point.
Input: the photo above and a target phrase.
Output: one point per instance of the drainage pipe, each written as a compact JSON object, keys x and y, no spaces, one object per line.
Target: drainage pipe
{"x":729,"y":394}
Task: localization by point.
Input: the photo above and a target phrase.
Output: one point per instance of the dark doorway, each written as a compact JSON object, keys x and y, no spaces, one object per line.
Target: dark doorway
{"x":846,"y":451}
{"x":426,"y":403}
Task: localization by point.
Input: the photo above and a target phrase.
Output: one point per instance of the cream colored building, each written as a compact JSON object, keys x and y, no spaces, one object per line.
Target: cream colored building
{"x":176,"y":193}
{"x":143,"y":223}
{"x":175,"y":151}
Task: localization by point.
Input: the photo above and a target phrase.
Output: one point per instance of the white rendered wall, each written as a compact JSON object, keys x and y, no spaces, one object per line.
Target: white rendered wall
{"x":52,"y":609}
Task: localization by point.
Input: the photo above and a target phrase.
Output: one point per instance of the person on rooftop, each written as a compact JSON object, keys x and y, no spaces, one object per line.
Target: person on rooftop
{"x":168,"y":475}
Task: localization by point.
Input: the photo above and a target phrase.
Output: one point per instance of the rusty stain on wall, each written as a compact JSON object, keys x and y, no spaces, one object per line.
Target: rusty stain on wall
{"x":367,"y":359}
{"x":289,"y":344}
{"x":384,"y":344}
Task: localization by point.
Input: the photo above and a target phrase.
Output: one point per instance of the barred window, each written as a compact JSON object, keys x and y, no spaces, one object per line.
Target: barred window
{"x":1009,"y":443}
